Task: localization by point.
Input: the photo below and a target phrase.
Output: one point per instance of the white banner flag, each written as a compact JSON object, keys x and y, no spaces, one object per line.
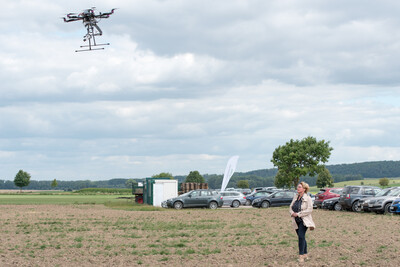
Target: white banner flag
{"x":229,"y":170}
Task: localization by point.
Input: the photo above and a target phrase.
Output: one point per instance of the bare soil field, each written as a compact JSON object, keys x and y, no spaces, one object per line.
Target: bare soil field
{"x":95,"y":235}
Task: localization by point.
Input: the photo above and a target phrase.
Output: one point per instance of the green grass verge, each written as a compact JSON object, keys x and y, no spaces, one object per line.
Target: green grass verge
{"x":111,"y":201}
{"x":64,"y":199}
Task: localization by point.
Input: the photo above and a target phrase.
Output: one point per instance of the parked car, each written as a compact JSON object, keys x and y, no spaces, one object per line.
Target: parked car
{"x":244,"y":191}
{"x":279,"y":198}
{"x":395,"y":207}
{"x":269,"y":188}
{"x":326,"y":193}
{"x":382,"y":201}
{"x":363,"y":204}
{"x":255,"y":195}
{"x":233,"y":198}
{"x":331,"y":204}
{"x":197,"y":198}
{"x":313,"y":200}
{"x":351,"y":195}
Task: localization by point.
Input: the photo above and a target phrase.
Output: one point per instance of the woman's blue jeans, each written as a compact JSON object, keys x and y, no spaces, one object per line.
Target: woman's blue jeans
{"x":301,"y":233}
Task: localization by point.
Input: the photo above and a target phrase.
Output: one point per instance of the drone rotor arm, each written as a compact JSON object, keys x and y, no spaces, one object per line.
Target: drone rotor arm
{"x":70,"y":19}
{"x":108,"y":13}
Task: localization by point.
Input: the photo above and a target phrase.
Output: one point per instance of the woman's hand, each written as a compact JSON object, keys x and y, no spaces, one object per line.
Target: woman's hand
{"x":294,"y":214}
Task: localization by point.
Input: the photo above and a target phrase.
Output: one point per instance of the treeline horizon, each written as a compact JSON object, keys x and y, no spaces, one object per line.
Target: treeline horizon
{"x":256,"y":178}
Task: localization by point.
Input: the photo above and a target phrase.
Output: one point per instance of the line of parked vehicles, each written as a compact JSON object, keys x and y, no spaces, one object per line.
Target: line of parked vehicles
{"x":360,"y":198}
{"x":262,"y":197}
{"x":352,"y":198}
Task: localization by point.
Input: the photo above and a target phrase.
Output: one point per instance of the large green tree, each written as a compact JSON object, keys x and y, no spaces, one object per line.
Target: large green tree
{"x":194,"y":177}
{"x":22,"y":179}
{"x":324,"y":179}
{"x":299,"y":158}
{"x":283,"y":179}
{"x":163,"y":175}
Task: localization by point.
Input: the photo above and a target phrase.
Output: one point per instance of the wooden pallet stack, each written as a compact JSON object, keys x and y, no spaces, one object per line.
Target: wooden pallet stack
{"x":186,"y":187}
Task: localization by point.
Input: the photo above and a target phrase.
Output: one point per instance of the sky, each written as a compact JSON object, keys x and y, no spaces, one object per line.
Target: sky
{"x":186,"y":84}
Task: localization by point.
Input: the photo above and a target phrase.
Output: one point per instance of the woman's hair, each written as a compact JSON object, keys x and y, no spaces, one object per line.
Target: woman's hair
{"x":305,"y":186}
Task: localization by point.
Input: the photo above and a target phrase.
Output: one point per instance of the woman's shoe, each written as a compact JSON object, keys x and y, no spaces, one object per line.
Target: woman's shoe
{"x":305,"y":257}
{"x":301,"y":258}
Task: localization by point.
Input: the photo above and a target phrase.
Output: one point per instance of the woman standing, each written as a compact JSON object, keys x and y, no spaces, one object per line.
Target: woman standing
{"x":300,"y":210}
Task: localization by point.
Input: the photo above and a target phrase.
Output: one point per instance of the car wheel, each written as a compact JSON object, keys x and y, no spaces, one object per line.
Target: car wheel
{"x":178,"y":205}
{"x":248,"y":202}
{"x":213,"y":205}
{"x":386,"y":209}
{"x":235,"y":204}
{"x":355,"y":207}
{"x":337,"y":206}
{"x":265,"y":204}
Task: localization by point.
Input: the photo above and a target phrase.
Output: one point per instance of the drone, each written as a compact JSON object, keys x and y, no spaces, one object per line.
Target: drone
{"x":90,"y":18}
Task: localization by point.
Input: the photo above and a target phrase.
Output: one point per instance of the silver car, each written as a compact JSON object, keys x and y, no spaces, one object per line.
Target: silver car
{"x":382,"y":202}
{"x":233,"y":198}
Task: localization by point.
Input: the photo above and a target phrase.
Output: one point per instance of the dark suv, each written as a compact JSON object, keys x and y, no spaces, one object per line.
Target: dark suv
{"x":351,"y":195}
{"x":276,"y":199}
{"x":196,"y":198}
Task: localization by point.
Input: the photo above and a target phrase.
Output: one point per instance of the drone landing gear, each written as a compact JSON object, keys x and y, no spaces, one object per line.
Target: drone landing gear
{"x":88,"y":37}
{"x":90,"y":47}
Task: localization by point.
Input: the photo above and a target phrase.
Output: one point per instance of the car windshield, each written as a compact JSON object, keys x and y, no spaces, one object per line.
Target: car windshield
{"x":336,"y":191}
{"x":384,"y":192}
{"x":394,"y":192}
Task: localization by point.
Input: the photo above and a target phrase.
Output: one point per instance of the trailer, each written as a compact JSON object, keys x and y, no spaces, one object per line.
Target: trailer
{"x":137,"y":191}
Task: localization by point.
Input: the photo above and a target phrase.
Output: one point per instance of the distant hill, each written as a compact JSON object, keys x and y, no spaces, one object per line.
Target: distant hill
{"x":372,"y":169}
{"x":339,"y":172}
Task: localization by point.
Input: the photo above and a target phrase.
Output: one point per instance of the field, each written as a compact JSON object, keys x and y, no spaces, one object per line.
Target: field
{"x":120,"y":234}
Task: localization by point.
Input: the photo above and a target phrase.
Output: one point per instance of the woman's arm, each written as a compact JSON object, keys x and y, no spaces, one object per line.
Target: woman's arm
{"x":291,"y":204}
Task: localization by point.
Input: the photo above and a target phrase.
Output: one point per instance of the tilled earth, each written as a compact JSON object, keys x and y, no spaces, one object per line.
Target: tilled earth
{"x":93,"y":235}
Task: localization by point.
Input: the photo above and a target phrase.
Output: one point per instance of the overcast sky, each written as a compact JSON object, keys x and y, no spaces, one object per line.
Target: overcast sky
{"x":187,"y":84}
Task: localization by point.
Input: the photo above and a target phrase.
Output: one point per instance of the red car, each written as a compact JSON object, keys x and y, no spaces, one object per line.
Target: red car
{"x":326,"y":193}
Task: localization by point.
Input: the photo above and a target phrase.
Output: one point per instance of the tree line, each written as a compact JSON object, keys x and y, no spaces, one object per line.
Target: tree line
{"x":255,"y":178}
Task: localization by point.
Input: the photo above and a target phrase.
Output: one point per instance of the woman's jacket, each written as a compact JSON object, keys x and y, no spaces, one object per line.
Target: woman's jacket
{"x":305,"y":213}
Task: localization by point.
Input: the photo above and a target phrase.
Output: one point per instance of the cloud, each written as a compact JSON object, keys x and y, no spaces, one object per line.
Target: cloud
{"x":184,"y":85}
